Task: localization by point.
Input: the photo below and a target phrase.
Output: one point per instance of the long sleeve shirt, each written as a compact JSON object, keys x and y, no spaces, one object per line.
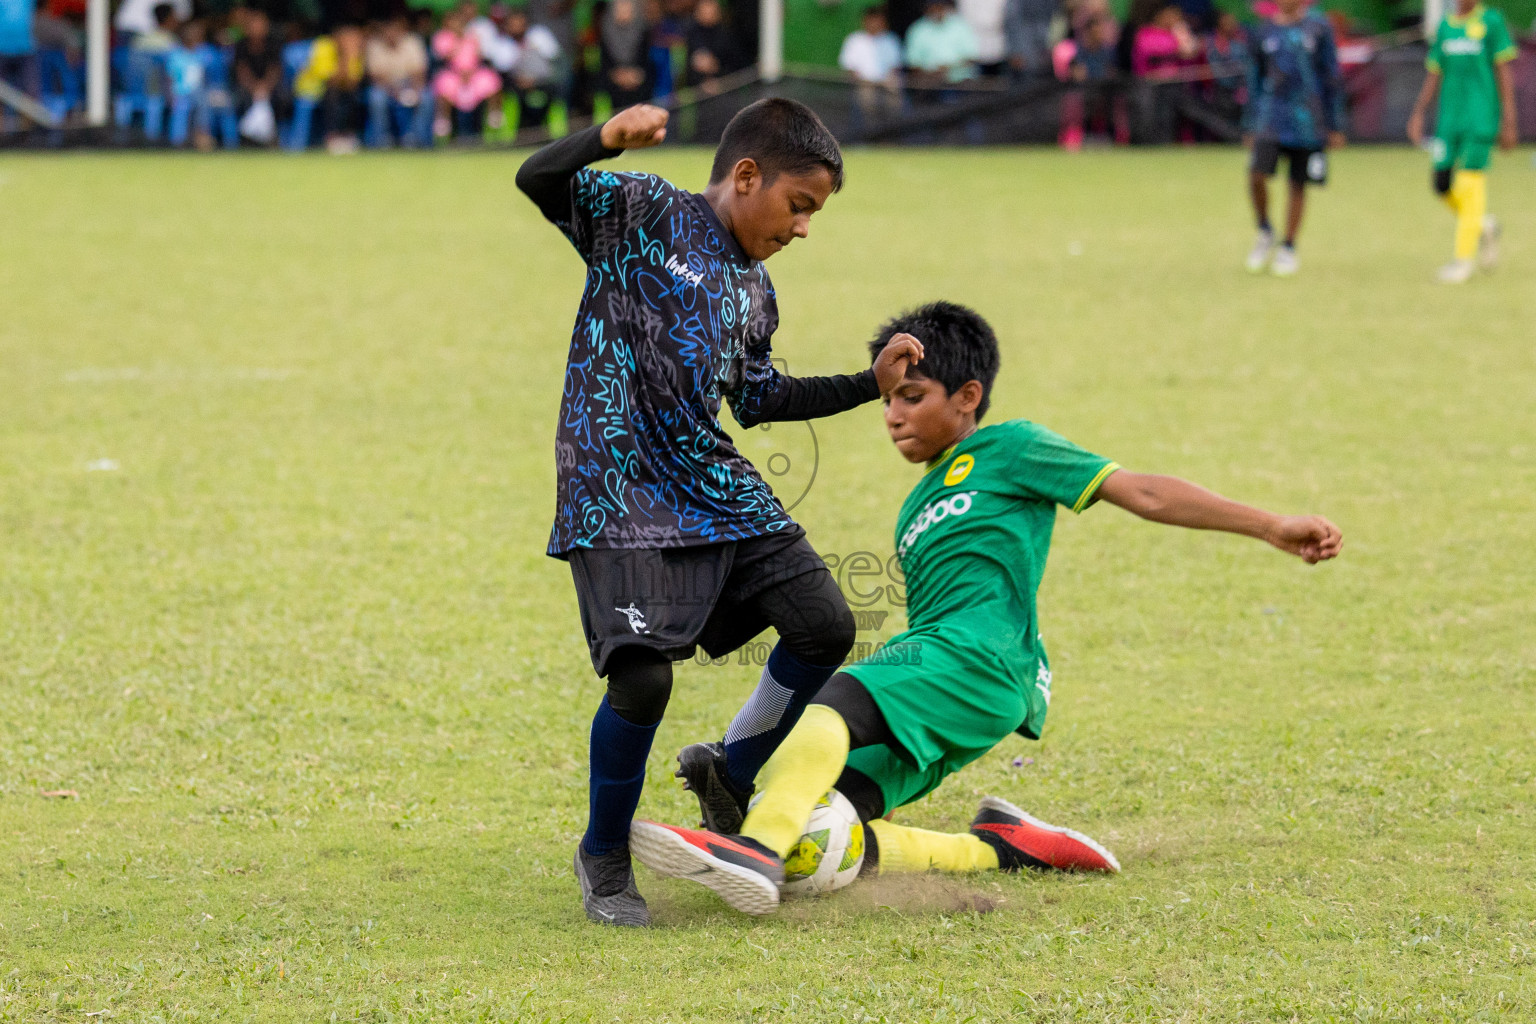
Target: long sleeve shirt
{"x":1295,"y":87}
{"x":674,"y":319}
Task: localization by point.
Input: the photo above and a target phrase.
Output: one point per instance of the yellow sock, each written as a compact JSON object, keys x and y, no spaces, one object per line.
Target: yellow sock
{"x":798,"y":774}
{"x":905,"y":850}
{"x":1451,"y":199}
{"x":1471,"y":191}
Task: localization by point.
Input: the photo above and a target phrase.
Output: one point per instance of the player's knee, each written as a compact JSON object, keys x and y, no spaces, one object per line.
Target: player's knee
{"x":639,"y":684}
{"x":830,"y":635}
{"x":816,"y":624}
{"x":1441,"y":180}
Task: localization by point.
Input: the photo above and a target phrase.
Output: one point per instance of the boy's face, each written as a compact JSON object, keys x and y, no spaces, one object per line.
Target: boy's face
{"x":767,"y":216}
{"x":923,"y":420}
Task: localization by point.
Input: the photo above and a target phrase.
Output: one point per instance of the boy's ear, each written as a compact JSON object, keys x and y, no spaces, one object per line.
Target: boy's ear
{"x":968,"y":398}
{"x":746,"y":176}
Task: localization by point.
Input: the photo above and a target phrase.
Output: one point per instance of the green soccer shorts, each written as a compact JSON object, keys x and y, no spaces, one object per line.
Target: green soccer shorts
{"x":948,"y":696}
{"x":1454,"y":148}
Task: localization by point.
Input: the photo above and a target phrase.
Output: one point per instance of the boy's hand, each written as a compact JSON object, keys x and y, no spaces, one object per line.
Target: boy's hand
{"x":635,"y":128}
{"x":1416,"y":127}
{"x":1509,"y":133}
{"x":1313,"y":539}
{"x":1337,"y":140}
{"x":900,"y":353}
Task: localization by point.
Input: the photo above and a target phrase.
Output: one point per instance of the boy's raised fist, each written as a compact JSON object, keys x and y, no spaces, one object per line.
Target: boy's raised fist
{"x":635,"y":127}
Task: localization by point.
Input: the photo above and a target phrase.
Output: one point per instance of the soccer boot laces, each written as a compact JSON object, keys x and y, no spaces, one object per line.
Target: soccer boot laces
{"x":608,"y":892}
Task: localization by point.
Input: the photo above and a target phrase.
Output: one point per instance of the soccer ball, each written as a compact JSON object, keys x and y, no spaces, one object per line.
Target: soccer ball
{"x":828,"y":856}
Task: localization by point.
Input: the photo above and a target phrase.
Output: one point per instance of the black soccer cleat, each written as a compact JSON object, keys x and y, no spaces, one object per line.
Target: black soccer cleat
{"x":608,"y":892}
{"x":745,"y":873}
{"x":722,"y":807}
{"x":1022,"y":841}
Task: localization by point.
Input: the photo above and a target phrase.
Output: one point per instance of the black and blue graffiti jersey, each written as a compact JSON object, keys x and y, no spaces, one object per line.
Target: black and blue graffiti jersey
{"x":1295,"y":88}
{"x":674,"y":318}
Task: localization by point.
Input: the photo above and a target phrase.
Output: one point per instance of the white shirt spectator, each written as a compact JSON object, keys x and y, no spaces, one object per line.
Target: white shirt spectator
{"x":497,"y":50}
{"x":986,"y":20}
{"x":138,"y":16}
{"x":870,"y":58}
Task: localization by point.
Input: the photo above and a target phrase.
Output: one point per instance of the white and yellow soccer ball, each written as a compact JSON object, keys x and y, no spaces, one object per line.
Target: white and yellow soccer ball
{"x":828,"y":856}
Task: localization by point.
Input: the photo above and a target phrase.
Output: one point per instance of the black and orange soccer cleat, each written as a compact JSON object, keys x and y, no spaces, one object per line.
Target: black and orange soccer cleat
{"x":1025,"y":842}
{"x":745,"y":873}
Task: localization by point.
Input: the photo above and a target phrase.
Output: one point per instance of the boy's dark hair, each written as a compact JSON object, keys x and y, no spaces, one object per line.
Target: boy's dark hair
{"x":958,"y":346}
{"x":783,"y":136}
{"x":163,"y":14}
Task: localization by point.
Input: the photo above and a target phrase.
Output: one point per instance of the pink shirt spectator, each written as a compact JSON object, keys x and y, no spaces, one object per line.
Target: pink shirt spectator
{"x":466,"y":82}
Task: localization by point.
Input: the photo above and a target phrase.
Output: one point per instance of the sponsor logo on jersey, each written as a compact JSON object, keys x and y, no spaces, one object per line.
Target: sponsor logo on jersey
{"x":959,"y":469}
{"x":1463,"y":47}
{"x":680,"y":270}
{"x":937,"y":510}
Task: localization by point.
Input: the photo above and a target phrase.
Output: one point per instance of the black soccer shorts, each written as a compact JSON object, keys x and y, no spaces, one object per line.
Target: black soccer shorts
{"x":1307,"y":166}
{"x":674,"y":600}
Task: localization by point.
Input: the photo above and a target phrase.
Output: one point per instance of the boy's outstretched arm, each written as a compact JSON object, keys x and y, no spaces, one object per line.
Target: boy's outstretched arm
{"x":769,"y":396}
{"x":546,"y":176}
{"x":1167,"y":499}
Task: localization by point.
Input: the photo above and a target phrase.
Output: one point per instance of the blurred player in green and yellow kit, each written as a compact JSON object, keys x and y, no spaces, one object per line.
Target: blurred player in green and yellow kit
{"x":1469,"y":73}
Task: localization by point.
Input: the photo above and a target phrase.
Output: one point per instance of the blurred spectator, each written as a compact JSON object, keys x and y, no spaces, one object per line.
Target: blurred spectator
{"x":184,"y":79}
{"x":986,"y":21}
{"x":1227,"y":53}
{"x":161,"y":37}
{"x":18,"y":51}
{"x":146,"y":54}
{"x":624,"y":45}
{"x":1098,"y":97}
{"x":1027,"y":36}
{"x":558,"y":16}
{"x":872,"y":55}
{"x":333,"y":79}
{"x":711,"y":48}
{"x":138,"y":16}
{"x":940,"y":46}
{"x":399,"y":107}
{"x":215,"y":110}
{"x":1164,"y":45}
{"x":1141,"y":14}
{"x":258,"y":63}
{"x":1199,"y":15}
{"x":465,"y":82}
{"x":531,"y":78}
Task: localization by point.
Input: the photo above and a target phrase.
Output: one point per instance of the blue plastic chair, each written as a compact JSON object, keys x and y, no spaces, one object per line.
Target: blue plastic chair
{"x":138,"y":75}
{"x":295,"y":59}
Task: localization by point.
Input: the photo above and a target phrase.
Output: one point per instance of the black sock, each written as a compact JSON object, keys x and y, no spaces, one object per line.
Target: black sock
{"x":1264,"y":224}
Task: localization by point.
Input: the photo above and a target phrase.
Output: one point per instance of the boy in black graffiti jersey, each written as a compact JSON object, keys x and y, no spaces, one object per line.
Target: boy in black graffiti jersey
{"x":673,"y":538}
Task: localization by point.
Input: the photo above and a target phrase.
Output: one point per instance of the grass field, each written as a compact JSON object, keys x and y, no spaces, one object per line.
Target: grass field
{"x":275,"y":481}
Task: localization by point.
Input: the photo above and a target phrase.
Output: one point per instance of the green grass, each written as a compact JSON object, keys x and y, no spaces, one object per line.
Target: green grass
{"x":324,"y":700}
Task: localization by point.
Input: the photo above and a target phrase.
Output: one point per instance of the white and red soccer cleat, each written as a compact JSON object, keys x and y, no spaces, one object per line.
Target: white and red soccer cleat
{"x":1025,"y":842}
{"x":745,"y":873}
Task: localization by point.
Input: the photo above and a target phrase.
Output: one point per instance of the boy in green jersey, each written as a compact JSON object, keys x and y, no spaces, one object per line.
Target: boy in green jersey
{"x":1469,"y":72}
{"x":972,"y":538}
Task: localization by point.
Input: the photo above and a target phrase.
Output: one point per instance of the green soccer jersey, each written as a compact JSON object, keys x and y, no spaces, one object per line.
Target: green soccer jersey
{"x":973,"y":535}
{"x":1466,"y":50}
